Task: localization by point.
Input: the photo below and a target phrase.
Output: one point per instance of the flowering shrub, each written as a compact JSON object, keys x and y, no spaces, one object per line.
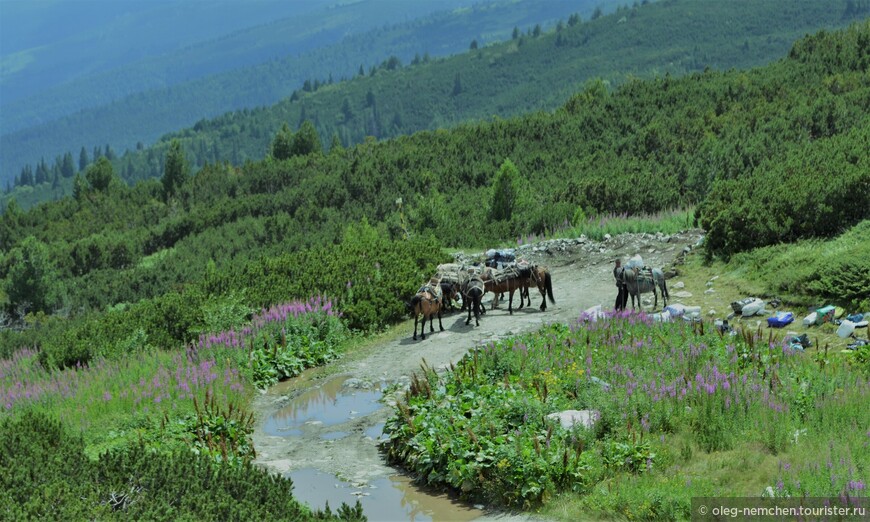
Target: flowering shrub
{"x":283,"y":340}
{"x":658,"y":390}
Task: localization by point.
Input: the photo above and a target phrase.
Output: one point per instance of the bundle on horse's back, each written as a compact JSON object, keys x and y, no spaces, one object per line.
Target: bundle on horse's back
{"x":428,"y":301}
{"x":641,"y":281}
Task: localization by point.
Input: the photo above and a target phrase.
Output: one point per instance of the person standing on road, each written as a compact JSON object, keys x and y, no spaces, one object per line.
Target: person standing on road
{"x":622,"y":292}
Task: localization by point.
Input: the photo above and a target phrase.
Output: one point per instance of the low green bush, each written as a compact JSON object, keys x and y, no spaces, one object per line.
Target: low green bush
{"x":47,"y":476}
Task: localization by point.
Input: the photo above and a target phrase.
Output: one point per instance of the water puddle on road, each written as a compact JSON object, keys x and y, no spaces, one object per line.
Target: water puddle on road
{"x":322,"y":410}
{"x":328,"y":405}
{"x":388,"y":499}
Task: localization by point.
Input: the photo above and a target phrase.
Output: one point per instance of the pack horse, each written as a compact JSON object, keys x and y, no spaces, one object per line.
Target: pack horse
{"x":428,"y":302}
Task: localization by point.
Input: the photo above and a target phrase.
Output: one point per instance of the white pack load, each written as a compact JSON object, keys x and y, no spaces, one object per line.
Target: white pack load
{"x":755,"y":307}
{"x":635,"y":262}
{"x":692,"y":311}
{"x":846,"y":328}
{"x":594,"y":312}
{"x":810,"y":319}
{"x":664,"y":317}
{"x":675,"y":309}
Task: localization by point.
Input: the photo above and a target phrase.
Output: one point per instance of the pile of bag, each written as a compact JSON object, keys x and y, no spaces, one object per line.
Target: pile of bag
{"x":749,"y":307}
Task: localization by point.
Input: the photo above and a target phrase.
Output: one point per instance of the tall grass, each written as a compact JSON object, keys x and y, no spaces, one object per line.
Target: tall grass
{"x":89,"y":397}
{"x":217,"y":373}
{"x":597,"y":226}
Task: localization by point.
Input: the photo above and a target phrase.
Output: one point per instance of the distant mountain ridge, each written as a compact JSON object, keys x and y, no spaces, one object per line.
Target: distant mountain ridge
{"x":219,"y":76}
{"x":527,"y":74}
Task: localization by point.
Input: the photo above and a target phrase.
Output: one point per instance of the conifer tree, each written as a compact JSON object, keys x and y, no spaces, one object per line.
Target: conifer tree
{"x":282,"y":145}
{"x":306,"y":140}
{"x":176,"y":170}
{"x":68,"y":168}
{"x":83,"y":159}
{"x":505,"y":191}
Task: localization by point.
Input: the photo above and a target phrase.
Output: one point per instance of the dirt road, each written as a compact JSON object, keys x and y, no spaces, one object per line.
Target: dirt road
{"x":346,"y":446}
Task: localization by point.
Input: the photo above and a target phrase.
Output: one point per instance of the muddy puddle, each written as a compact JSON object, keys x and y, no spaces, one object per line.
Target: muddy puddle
{"x":342,"y":410}
{"x":327,"y":405}
{"x":391,"y":498}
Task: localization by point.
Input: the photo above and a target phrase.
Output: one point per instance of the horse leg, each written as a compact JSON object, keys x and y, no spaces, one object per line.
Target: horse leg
{"x":416,"y":316}
{"x":467,"y":321}
{"x":511,"y":301}
{"x":476,"y":311}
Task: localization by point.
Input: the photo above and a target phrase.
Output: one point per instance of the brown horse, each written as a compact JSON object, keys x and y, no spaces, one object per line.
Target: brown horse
{"x":504,"y":281}
{"x":539,"y":276}
{"x":427,"y":302}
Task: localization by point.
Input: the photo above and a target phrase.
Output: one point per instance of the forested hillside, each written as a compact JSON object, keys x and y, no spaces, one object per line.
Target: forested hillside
{"x":138,"y":102}
{"x":530,"y":72}
{"x":769,"y":155}
{"x":47,"y":44}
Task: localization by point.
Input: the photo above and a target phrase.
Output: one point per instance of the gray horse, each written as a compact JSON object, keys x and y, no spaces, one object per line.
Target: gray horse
{"x":642,"y":281}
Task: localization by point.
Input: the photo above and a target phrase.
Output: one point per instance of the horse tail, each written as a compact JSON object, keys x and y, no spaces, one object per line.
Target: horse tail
{"x":548,"y":282}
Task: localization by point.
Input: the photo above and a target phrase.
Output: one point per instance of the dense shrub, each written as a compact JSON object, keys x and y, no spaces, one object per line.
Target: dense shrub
{"x":46,"y":476}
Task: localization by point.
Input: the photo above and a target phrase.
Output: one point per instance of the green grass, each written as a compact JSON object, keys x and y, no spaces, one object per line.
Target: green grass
{"x":688,"y":413}
{"x":109,"y":398}
{"x":667,"y":222}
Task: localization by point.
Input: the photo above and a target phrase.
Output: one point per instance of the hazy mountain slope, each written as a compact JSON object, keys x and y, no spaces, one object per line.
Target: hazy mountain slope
{"x":46,"y":43}
{"x":145,"y":116}
{"x":516,"y":77}
{"x":147,"y":61}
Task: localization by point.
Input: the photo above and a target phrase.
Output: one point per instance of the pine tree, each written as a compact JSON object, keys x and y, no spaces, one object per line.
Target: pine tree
{"x":282,"y":145}
{"x":79,"y":187}
{"x":335,"y":145}
{"x":42,"y":172}
{"x":505,"y":192}
{"x":306,"y":140}
{"x":100,"y":175}
{"x":68,"y":168}
{"x":175,"y":171}
{"x":83,"y":160}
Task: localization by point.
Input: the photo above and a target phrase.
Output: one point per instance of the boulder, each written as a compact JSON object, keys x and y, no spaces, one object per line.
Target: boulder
{"x":571,"y":418}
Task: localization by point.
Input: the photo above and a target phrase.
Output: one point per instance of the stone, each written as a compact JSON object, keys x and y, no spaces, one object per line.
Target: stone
{"x":571,"y":418}
{"x":683,"y":294}
{"x":604,"y":384}
{"x":679,"y":284}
